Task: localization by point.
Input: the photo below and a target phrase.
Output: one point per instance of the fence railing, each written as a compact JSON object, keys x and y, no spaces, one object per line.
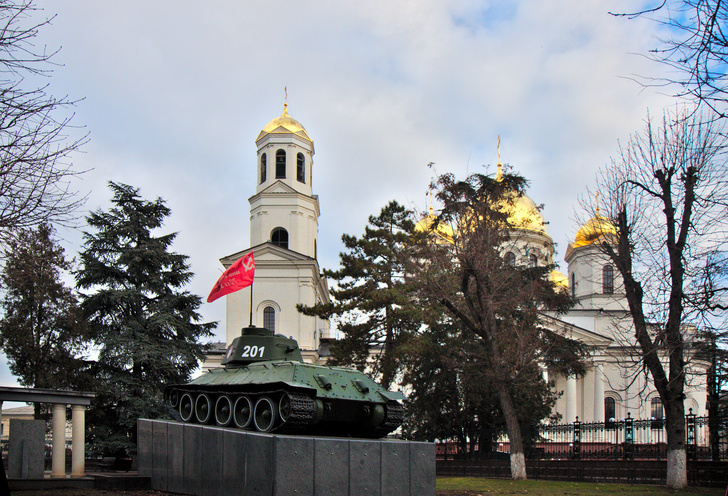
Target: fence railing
{"x":625,"y":439}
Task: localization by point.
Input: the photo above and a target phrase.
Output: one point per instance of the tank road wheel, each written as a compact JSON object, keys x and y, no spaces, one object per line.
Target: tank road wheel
{"x":223,"y":410}
{"x":173,"y":398}
{"x":203,"y":408}
{"x":186,"y":407}
{"x":243,"y":412}
{"x":265,"y":414}
{"x":285,"y":409}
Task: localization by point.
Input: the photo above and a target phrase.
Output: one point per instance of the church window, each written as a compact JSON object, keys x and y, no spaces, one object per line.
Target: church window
{"x":657,"y":414}
{"x":573,"y":285}
{"x":510,"y":259}
{"x":279,"y":237}
{"x":533,"y":260}
{"x":610,"y":409}
{"x":301,"y":168}
{"x":656,"y":410}
{"x":281,"y":164}
{"x":263,"y":168}
{"x":608,"y":279}
{"x":269,"y":318}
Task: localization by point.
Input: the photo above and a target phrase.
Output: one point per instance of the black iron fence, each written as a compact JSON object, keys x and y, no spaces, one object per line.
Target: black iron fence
{"x":626,"y":439}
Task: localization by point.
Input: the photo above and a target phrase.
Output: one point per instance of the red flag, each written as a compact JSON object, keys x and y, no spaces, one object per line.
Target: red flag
{"x":238,"y":276}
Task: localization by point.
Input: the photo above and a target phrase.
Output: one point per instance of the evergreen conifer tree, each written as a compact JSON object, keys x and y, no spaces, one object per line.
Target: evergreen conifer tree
{"x":41,"y":331}
{"x":144,"y":322}
{"x":371,"y":298}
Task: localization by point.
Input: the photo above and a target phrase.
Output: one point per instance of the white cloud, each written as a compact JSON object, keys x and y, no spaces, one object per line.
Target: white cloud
{"x":177,"y":91}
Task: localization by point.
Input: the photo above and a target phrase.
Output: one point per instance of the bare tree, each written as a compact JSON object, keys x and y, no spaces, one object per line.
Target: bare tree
{"x":35,"y":147}
{"x":498,"y":300}
{"x":696,"y":46}
{"x":666,"y":195}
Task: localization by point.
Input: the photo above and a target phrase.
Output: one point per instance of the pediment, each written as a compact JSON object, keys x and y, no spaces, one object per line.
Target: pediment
{"x":576,"y":332}
{"x":267,"y":253}
{"x":278,"y":187}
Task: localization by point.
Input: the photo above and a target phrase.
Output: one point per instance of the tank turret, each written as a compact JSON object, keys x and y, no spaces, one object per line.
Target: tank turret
{"x":265,"y":385}
{"x":258,"y":344}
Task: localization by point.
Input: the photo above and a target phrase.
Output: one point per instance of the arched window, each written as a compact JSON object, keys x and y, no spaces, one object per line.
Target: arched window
{"x":281,"y":164}
{"x":263,"y":168}
{"x":573,"y":285}
{"x":269,"y":318}
{"x":533,"y":260}
{"x":656,"y":410}
{"x":510,"y":259}
{"x":607,"y":279}
{"x":657,"y":414}
{"x":610,"y":409}
{"x":279,"y":237}
{"x":301,"y":168}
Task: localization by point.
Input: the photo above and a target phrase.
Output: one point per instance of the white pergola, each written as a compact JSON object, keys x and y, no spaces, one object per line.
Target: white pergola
{"x":60,"y":401}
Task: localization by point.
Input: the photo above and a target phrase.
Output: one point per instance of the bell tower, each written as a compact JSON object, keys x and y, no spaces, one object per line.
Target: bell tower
{"x":284,"y":211}
{"x":284,"y":216}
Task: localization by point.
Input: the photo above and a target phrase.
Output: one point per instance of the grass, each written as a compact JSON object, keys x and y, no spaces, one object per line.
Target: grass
{"x":472,"y":486}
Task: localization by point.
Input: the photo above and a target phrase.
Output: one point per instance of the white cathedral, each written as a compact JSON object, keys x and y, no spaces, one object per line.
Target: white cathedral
{"x":284,"y":216}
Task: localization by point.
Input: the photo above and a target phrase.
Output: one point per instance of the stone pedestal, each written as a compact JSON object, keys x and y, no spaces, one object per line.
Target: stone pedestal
{"x":212,"y":461}
{"x":26,"y":453}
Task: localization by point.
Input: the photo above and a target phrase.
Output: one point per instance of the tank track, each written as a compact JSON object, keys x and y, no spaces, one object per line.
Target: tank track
{"x":394,"y":418}
{"x":302,"y":410}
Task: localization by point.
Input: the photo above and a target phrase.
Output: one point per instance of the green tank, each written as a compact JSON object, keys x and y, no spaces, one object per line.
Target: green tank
{"x":264,"y":385}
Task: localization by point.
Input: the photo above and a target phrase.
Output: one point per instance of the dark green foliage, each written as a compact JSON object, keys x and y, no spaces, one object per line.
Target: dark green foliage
{"x":145,"y":324}
{"x":452,"y":391}
{"x":41,"y":331}
{"x":371,"y":296}
{"x":501,"y":310}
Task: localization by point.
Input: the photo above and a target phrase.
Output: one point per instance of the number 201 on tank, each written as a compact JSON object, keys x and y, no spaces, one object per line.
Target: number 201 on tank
{"x":252,"y":351}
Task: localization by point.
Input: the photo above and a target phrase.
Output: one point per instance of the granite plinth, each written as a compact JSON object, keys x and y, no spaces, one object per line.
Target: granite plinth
{"x":214,"y":461}
{"x":26,"y":450}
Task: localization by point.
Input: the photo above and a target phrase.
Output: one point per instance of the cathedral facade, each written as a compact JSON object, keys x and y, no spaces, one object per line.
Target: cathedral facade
{"x":615,"y":384}
{"x":284,"y":216}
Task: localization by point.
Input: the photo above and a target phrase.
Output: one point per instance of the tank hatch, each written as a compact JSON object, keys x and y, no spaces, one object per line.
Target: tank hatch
{"x":258,"y":344}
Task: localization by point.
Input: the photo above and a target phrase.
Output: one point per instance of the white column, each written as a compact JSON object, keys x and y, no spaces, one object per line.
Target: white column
{"x":78,"y":439}
{"x":570,"y":415}
{"x":58,"y":467}
{"x":598,"y":393}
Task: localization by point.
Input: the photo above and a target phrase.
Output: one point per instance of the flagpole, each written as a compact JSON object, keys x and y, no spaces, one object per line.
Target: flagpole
{"x":251,"y":304}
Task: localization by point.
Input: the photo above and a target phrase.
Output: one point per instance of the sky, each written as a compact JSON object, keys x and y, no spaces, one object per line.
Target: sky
{"x":174,"y":93}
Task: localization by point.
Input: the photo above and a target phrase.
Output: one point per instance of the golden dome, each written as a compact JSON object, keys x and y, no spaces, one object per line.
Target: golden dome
{"x":594,"y":229}
{"x":523,"y":214}
{"x":443,"y":231}
{"x":559,"y":279}
{"x":284,"y":124}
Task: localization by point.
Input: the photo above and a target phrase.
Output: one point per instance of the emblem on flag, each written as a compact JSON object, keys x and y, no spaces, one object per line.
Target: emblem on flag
{"x":238,"y":276}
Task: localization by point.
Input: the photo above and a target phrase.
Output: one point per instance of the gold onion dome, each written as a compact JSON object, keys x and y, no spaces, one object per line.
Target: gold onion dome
{"x":442,"y":231}
{"x":559,"y":279}
{"x":284,"y":124}
{"x":522,"y":211}
{"x":523,"y":214}
{"x":594,"y":230}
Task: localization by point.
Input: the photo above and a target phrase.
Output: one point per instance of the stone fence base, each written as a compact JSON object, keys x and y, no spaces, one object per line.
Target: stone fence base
{"x":213,"y":461}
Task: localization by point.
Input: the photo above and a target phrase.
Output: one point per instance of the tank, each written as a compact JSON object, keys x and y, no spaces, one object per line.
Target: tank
{"x":264,"y":385}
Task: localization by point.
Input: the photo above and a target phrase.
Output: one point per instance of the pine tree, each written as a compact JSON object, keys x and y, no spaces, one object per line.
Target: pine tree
{"x":371,"y":298}
{"x":145,"y":324}
{"x":41,"y":331}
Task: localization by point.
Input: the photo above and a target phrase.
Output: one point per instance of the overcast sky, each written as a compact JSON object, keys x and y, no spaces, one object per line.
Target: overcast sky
{"x":174,"y":94}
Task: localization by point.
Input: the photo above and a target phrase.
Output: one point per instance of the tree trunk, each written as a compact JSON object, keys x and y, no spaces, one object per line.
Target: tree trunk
{"x":677,"y":474}
{"x":518,"y":459}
